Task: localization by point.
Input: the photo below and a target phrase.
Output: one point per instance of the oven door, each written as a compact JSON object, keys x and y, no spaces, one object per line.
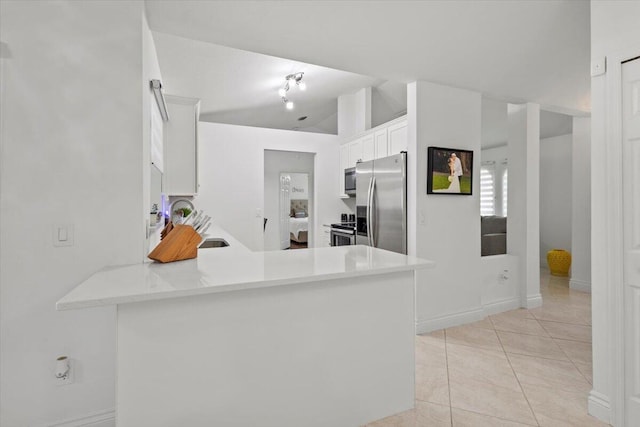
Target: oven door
{"x":342,"y":237}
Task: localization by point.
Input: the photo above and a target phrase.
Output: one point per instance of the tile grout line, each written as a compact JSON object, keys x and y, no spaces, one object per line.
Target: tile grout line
{"x":565,"y":339}
{"x":575,"y":366}
{"x":562,"y":349}
{"x":446,"y":361}
{"x":493,"y":416}
{"x":518,"y":380}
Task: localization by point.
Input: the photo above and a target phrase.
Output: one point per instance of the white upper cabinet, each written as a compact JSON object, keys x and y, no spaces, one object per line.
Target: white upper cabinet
{"x":355,"y":152}
{"x":397,"y":135}
{"x":368,"y":148}
{"x":380,"y":139}
{"x":181,"y":146}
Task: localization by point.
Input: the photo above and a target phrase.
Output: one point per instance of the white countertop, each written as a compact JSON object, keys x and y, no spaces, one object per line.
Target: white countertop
{"x":232,"y":268}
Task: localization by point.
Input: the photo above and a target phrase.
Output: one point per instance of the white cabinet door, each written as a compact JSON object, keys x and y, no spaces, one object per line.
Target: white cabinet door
{"x":181,"y":146}
{"x":355,"y":152}
{"x":380,"y":138}
{"x":397,"y":138}
{"x":368,"y":148}
{"x":344,"y":164}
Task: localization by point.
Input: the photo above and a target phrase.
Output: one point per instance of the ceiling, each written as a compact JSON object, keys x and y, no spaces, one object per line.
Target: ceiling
{"x":536,"y":51}
{"x":240,"y":87}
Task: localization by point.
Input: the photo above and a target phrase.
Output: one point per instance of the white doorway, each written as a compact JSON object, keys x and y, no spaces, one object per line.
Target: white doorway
{"x":631,"y":236}
{"x":289,"y":200}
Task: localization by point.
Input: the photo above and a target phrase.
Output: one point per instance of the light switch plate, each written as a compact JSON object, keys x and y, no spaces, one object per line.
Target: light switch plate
{"x":599,"y":66}
{"x":63,"y":235}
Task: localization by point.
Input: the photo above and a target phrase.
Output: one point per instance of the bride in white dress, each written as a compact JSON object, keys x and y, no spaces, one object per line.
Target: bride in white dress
{"x":454,"y":186}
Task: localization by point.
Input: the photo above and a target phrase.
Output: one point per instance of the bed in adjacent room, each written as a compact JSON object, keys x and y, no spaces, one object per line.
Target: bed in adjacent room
{"x":299,"y":221}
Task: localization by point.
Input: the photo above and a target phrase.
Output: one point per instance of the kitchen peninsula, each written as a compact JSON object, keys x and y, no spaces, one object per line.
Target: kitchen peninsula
{"x":315,"y":337}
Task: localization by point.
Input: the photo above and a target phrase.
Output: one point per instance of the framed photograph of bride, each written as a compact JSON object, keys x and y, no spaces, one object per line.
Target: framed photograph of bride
{"x":449,"y":171}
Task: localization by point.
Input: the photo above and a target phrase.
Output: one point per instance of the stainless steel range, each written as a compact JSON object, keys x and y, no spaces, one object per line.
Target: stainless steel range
{"x":343,"y":233}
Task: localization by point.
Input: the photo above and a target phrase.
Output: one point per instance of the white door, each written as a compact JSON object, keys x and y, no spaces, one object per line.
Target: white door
{"x":285,"y":208}
{"x":631,"y":196}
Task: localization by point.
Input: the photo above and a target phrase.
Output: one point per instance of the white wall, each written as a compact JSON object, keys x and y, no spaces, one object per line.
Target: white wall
{"x":72,"y":152}
{"x":388,"y":101}
{"x":232,"y":176}
{"x":581,"y":205}
{"x":555,"y":194}
{"x":276,"y":162}
{"x":444,"y":228}
{"x":614,"y":28}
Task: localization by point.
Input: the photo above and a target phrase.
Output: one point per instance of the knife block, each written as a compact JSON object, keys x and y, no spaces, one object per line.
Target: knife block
{"x":178,"y":244}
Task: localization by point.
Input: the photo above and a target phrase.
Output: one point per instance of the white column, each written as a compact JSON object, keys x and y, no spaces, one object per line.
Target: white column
{"x":523,"y":221}
{"x":444,"y":228}
{"x":581,"y":205}
{"x":363,"y":109}
{"x":354,"y":112}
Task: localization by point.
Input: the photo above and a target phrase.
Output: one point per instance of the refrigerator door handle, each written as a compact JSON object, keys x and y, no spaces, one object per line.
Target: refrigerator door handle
{"x":370,"y":231}
{"x":373,"y":211}
{"x":369,"y":212}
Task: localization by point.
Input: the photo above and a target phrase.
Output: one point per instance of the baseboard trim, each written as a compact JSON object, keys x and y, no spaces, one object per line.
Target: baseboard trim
{"x":104,"y":418}
{"x":449,"y":320}
{"x":534,"y":301}
{"x":501,"y":305}
{"x":580,"y":285}
{"x":598,"y":406}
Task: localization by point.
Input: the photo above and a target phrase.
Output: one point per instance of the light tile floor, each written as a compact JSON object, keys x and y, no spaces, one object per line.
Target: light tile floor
{"x":519,"y":368}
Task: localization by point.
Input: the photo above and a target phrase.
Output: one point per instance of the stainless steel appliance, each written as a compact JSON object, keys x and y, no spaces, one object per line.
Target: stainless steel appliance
{"x":381,"y":203}
{"x":350,"y":182}
{"x":343,"y":234}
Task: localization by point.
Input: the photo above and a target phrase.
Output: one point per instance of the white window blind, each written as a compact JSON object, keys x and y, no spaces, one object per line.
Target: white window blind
{"x":505,"y":180}
{"x":487,"y":190}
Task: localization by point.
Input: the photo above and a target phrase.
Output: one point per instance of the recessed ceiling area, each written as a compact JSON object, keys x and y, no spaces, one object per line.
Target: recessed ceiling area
{"x":495,"y":125}
{"x":241,"y":88}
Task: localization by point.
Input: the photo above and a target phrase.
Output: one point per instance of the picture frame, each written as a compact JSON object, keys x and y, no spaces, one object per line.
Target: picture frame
{"x":449,"y":171}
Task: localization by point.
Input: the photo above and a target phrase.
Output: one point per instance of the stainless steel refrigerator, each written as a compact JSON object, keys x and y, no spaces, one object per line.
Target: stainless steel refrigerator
{"x":381,"y":203}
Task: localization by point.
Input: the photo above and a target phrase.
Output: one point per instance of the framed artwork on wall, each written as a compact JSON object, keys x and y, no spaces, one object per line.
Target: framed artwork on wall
{"x":449,"y":171}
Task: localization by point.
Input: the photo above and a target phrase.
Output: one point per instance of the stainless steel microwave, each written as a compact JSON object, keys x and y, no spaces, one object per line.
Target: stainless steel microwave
{"x":350,"y":182}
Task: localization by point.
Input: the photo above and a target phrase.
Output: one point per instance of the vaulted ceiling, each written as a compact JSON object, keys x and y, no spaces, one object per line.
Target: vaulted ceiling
{"x":514,"y":51}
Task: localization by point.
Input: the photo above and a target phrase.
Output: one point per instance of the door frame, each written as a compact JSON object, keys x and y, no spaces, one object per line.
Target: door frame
{"x":614,"y":229}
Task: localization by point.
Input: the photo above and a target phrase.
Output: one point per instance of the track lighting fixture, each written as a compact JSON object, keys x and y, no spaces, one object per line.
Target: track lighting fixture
{"x":291,"y":80}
